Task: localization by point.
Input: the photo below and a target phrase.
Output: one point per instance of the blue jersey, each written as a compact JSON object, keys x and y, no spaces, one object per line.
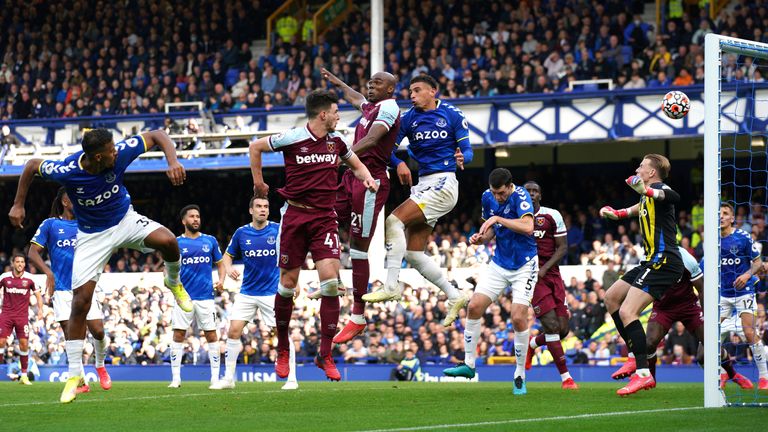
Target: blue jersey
{"x":59,"y":236}
{"x":99,"y":200}
{"x":737,"y":251}
{"x":197,"y":258}
{"x":433,"y":137}
{"x":258,"y":250}
{"x":513,"y":250}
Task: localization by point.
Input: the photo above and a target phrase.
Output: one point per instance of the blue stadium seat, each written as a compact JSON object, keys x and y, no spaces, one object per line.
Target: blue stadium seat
{"x":230,"y":78}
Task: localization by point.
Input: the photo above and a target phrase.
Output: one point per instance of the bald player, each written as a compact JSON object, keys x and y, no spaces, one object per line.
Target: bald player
{"x":375,"y":137}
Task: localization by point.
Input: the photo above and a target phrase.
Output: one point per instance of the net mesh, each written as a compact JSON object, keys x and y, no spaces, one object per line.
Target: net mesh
{"x":743,"y":179}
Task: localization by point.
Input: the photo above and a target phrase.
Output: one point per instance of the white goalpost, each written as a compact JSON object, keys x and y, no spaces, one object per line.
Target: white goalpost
{"x":736,"y":109}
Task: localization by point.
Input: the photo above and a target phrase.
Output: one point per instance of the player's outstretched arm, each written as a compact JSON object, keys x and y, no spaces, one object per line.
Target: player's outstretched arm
{"x":523,"y":225}
{"x":361,"y":172}
{"x":37,"y":260}
{"x":663,"y":193}
{"x":350,"y":95}
{"x":17,"y":213}
{"x":608,"y":212}
{"x":370,"y":140}
{"x":175,"y":172}
{"x":255,"y":149}
{"x":478,"y":238}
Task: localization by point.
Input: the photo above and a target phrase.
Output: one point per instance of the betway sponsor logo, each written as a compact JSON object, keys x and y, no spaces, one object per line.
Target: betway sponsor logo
{"x":316,"y":158}
{"x":15,"y":290}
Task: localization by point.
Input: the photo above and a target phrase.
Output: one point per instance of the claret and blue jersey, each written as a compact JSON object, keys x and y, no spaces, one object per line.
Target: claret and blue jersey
{"x":100,"y":201}
{"x":513,"y":250}
{"x":433,"y":137}
{"x":59,"y":237}
{"x":258,"y":250}
{"x":197,"y":258}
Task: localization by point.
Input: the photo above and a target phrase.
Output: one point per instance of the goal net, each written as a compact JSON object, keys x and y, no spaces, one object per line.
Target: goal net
{"x":735,"y":169}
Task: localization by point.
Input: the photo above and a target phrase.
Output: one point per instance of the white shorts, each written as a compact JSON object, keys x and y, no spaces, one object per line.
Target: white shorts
{"x":245,"y":308}
{"x":93,"y":250}
{"x":522,"y":281}
{"x":62,"y":307}
{"x":436,"y":195}
{"x":203,"y":311}
{"x":730,"y":325}
{"x":741,"y":304}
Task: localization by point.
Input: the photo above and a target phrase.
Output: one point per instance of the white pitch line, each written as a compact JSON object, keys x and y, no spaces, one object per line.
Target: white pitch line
{"x":181,"y":395}
{"x":529,"y":420}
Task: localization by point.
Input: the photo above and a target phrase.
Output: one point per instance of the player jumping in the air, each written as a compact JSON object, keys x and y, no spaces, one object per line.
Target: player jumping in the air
{"x":438,"y":136}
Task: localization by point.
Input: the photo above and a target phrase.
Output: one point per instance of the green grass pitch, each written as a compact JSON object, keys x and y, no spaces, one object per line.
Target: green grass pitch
{"x":365,"y":406}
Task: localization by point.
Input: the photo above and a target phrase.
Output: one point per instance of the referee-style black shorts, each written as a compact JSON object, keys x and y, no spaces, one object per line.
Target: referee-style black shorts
{"x":655,"y":279}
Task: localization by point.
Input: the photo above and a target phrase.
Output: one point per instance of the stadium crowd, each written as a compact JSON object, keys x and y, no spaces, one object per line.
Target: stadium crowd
{"x":71,"y":60}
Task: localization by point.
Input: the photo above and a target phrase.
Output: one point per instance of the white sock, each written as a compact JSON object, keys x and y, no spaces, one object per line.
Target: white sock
{"x":471,"y":334}
{"x":75,"y":356}
{"x":100,"y":350}
{"x":643,"y":372}
{"x":631,"y":355}
{"x":758,"y":353}
{"x":722,"y":371}
{"x":176,"y":353}
{"x":432,"y":272}
{"x":532,"y":344}
{"x":357,"y":319}
{"x":396,"y":243}
{"x":291,"y":362}
{"x":565,"y":376}
{"x":230,"y":358}
{"x":214,"y":355}
{"x":521,"y":350}
{"x":172,"y":272}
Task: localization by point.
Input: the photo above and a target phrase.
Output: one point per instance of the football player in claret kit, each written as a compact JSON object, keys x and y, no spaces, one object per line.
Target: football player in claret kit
{"x":549,"y":294}
{"x":17,"y":287}
{"x":256,"y":244}
{"x":199,"y":252}
{"x":375,"y":136}
{"x":106,"y":221}
{"x":515,"y":264}
{"x":438,"y":136}
{"x":58,"y":235}
{"x":309,"y":222}
{"x":661,"y":269}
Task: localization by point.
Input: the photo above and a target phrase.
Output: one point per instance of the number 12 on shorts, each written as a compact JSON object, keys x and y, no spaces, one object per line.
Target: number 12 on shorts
{"x":329,"y":238}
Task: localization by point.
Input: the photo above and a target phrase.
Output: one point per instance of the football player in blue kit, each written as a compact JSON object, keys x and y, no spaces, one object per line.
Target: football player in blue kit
{"x":106,"y":221}
{"x":438,"y":136}
{"x":256,"y":245}
{"x":58,"y":235}
{"x":199,"y":252}
{"x":515,"y":264}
